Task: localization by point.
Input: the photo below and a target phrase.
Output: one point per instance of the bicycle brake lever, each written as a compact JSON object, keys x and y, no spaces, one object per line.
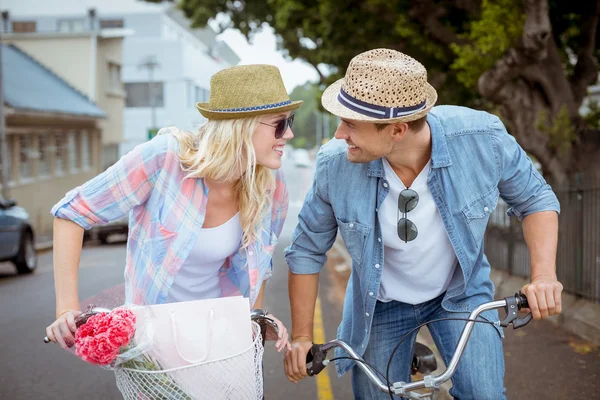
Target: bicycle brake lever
{"x":513,"y":304}
{"x":316,"y":356}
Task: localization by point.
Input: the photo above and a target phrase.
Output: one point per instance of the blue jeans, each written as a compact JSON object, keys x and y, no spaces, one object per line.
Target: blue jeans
{"x":480,"y":372}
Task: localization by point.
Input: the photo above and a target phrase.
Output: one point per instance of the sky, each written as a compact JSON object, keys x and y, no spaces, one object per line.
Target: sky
{"x":263,"y":50}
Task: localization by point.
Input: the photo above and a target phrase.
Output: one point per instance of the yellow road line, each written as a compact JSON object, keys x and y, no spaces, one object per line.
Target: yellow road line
{"x":323,"y":383}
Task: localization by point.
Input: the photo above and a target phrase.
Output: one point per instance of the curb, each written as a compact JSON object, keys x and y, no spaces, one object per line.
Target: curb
{"x":41,"y":247}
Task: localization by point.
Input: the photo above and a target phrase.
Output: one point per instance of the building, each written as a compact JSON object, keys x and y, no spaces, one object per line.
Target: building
{"x":83,"y":50}
{"x":167,"y":69}
{"x":165,"y":66}
{"x":53,"y":135}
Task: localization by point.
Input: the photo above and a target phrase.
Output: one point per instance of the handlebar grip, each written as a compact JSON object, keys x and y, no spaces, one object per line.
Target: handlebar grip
{"x":316,"y":356}
{"x":522,"y":300}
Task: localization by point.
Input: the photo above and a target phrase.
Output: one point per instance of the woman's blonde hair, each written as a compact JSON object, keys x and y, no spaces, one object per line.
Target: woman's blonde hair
{"x":220,"y":151}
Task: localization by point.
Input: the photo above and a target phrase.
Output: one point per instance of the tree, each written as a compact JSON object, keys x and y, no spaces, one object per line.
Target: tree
{"x":529,"y":61}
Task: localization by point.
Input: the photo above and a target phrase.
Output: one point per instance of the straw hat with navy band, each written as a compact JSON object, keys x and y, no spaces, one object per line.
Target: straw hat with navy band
{"x":246,"y":91}
{"x":381,"y":86}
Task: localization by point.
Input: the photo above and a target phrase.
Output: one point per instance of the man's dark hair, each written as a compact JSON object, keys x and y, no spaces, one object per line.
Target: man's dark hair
{"x":414,"y":126}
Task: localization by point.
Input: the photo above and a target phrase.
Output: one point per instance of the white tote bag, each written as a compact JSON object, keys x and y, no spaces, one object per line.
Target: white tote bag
{"x":194,"y":332}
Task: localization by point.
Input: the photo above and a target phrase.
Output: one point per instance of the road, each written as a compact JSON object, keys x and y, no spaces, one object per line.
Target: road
{"x":542,"y":362}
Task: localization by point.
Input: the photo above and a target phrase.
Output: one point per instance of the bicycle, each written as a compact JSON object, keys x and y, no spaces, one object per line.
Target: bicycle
{"x":422,"y":358}
{"x":148,"y":382}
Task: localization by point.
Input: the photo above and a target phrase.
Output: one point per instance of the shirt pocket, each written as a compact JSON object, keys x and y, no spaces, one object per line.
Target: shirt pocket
{"x":355,"y":238}
{"x":477,"y":213}
{"x":161,"y":238}
{"x":266,"y":256}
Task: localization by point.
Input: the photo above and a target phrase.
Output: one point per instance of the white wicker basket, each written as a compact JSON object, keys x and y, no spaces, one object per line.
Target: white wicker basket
{"x":237,"y":377}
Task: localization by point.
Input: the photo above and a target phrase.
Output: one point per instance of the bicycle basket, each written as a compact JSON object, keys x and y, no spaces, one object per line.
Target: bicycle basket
{"x":237,"y":377}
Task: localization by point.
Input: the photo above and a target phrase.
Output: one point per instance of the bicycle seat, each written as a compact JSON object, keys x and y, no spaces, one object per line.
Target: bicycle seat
{"x":423,"y":361}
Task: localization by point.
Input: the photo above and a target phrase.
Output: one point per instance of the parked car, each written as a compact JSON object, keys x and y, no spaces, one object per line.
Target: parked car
{"x":103,"y":232}
{"x":17,"y":239}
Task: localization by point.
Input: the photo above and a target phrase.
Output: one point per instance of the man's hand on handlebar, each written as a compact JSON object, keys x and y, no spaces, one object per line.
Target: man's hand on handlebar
{"x":295,"y":359}
{"x":544,"y":296}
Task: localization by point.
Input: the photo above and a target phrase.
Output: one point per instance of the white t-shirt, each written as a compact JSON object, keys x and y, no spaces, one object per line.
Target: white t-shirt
{"x":419,"y":270}
{"x":198,"y":277}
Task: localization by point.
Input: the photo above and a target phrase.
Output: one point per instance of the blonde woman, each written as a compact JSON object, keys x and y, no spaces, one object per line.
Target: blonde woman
{"x":206,"y":209}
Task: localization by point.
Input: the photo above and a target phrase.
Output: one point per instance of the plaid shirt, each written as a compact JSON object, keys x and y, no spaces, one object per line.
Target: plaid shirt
{"x":166,"y":211}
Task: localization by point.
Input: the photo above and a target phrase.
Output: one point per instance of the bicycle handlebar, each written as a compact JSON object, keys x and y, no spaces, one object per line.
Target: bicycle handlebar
{"x":317,"y":356}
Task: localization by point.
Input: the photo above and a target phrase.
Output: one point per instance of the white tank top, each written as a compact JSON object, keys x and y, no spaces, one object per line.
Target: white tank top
{"x":198,"y":277}
{"x":420,"y":270}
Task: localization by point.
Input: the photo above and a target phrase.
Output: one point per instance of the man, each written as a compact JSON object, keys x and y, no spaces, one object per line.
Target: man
{"x":411,"y":194}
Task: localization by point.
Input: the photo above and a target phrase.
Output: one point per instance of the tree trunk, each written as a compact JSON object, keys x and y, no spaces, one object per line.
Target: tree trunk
{"x":530,"y":86}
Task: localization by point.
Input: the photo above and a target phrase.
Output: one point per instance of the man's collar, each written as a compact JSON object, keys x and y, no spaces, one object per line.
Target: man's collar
{"x":440,"y":157}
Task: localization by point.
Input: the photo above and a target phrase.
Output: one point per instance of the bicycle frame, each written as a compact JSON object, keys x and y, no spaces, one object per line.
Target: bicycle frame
{"x":432,"y":382}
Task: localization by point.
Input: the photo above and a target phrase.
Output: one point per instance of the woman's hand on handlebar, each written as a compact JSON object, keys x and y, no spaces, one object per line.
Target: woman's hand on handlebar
{"x":283,"y":336}
{"x":295,"y":359}
{"x":63,"y":329}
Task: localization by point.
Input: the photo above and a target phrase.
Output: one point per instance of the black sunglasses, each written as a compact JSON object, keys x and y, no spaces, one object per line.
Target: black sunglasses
{"x":282,"y":126}
{"x":407,"y":201}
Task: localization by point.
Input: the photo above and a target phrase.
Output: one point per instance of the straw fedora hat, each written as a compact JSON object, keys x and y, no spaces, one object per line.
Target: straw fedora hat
{"x":381,"y":85}
{"x":245,"y":91}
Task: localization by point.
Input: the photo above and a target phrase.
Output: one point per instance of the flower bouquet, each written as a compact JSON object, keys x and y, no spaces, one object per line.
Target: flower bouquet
{"x":107,"y":339}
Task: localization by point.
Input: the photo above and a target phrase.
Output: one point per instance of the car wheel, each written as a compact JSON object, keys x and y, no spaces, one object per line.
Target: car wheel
{"x":103,"y":237}
{"x":26,"y":260}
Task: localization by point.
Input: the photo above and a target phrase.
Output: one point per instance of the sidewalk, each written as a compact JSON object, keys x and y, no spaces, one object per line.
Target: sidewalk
{"x":558,"y":358}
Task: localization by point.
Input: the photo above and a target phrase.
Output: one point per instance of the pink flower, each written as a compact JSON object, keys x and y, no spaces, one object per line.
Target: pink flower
{"x":100,"y":339}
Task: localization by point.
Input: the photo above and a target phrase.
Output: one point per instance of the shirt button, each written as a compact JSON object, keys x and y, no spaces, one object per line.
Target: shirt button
{"x":250,"y":253}
{"x":367,"y":314}
{"x":376,"y":265}
{"x":379,"y":240}
{"x":385,"y":184}
{"x":377,"y":209}
{"x":351,"y":225}
{"x":486,"y":209}
{"x":370,"y":293}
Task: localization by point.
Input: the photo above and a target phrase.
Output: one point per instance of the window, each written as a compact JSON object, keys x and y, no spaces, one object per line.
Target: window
{"x":144,"y":94}
{"x":23,"y":26}
{"x":70,"y":25}
{"x":59,"y":154}
{"x":25,"y":158}
{"x":44,"y":156}
{"x":114,"y":77}
{"x":85,"y":151}
{"x":111,"y":23}
{"x":73,"y":153}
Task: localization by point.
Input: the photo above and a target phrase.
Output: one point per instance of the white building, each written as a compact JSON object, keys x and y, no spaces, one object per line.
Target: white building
{"x":162,"y":49}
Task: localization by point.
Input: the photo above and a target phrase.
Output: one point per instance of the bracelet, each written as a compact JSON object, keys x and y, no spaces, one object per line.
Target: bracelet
{"x":63,"y":312}
{"x":294,"y":339}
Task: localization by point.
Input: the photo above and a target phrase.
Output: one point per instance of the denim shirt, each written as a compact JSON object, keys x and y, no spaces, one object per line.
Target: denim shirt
{"x":473,"y":161}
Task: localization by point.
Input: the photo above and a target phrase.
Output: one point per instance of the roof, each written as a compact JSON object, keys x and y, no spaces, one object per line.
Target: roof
{"x":28,"y":85}
{"x":36,"y":8}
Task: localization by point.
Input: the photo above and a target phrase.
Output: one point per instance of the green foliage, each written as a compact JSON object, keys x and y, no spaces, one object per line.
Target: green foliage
{"x":498,"y":29}
{"x":559,"y":129}
{"x":592,"y":117}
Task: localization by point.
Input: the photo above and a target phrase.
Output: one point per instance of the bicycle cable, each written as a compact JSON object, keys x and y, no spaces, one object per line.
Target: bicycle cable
{"x":387,"y":371}
{"x":373,"y":368}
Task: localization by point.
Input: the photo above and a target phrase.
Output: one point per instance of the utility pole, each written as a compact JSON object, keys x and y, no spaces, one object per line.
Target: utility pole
{"x":318,"y":131}
{"x":3,"y":145}
{"x":150,"y":64}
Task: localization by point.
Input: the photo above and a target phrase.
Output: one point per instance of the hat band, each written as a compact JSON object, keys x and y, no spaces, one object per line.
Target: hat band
{"x":375,"y":111}
{"x":254,"y":108}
